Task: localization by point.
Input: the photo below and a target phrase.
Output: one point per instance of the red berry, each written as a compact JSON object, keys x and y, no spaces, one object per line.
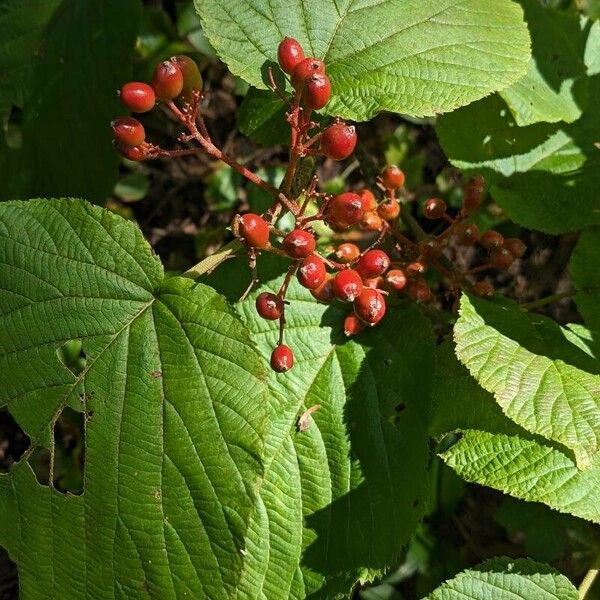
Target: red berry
{"x":137,"y":97}
{"x":501,"y":259}
{"x":254,"y":230}
{"x":347,"y":252}
{"x":136,"y":153}
{"x":289,"y":54}
{"x":419,"y":291}
{"x":392,"y":177}
{"x":434,"y":208}
{"x":369,"y":199}
{"x":338,"y":141}
{"x":312,"y":273}
{"x":282,"y":359}
{"x":299,"y":243}
{"x":192,"y":80}
{"x":304,"y":69}
{"x":483,"y":289}
{"x":324,"y":293}
{"x":389,"y":210}
{"x":396,"y":279}
{"x":373,"y":263}
{"x":515,"y":246}
{"x":269,"y":306}
{"x":491,"y":240}
{"x":317,"y":91}
{"x":374,"y":282}
{"x":416,"y":269}
{"x":128,"y":131}
{"x":347,"y":285}
{"x":371,"y":221}
{"x":345,"y":209}
{"x":470,"y":235}
{"x":167,"y":81}
{"x":369,"y":307}
{"x":352,"y":325}
{"x":474,"y":192}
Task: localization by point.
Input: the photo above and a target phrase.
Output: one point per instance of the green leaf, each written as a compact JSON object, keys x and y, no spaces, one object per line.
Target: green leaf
{"x":528,"y":470}
{"x":262,"y":118}
{"x":543,"y":175}
{"x":172,"y":447}
{"x":67,"y":92}
{"x":419,"y":57}
{"x":223,"y":188}
{"x":507,"y":579}
{"x":535,"y":377}
{"x":586,"y":280}
{"x":555,"y":87}
{"x":340,"y":499}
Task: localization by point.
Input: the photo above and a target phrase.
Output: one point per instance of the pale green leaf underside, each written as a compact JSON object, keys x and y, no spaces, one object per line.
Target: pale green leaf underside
{"x":546,"y":396}
{"x":340,"y":499}
{"x":507,"y":579}
{"x":528,"y":470}
{"x":172,"y":447}
{"x":419,"y":57}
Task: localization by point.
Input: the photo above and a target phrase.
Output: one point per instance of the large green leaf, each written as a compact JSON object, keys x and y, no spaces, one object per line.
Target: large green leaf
{"x":176,"y":408}
{"x":545,"y":384}
{"x":507,"y":579}
{"x":419,"y":57}
{"x":555,"y":87}
{"x":340,"y":499}
{"x":544,"y":175}
{"x":529,"y":470}
{"x":65,"y":61}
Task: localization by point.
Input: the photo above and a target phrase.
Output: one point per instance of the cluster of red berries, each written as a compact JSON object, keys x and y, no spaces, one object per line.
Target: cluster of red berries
{"x":365,"y":280}
{"x":177,"y":78}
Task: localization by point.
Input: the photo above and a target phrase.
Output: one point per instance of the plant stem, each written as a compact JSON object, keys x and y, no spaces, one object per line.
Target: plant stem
{"x":587,"y":583}
{"x":547,"y":300}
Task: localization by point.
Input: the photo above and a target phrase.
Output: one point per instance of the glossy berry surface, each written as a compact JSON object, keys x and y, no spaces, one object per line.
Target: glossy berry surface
{"x":416,"y":269}
{"x":515,"y":246}
{"x":434,"y":208}
{"x":299,"y":243}
{"x":501,"y":259}
{"x":392,"y":177}
{"x":469,"y":235}
{"x":389,"y":210}
{"x":345,"y":209}
{"x":167,"y":80}
{"x":371,"y":221}
{"x":395,"y":279}
{"x":347,"y":252}
{"x":374,"y":282}
{"x":347,"y":285}
{"x":370,"y":307}
{"x":370,"y":202}
{"x":338,"y":141}
{"x":483,"y":289}
{"x":137,"y":97}
{"x":324,"y":293}
{"x":312,"y":273}
{"x":289,"y":54}
{"x":269,"y":306}
{"x":282,"y":359}
{"x":135,"y":153}
{"x":317,"y":91}
{"x":128,"y":131}
{"x":192,"y":80}
{"x":419,"y":291}
{"x":305,"y":69}
{"x":352,"y":325}
{"x":254,"y":230}
{"x":373,"y":263}
{"x":491,"y":240}
{"x":474,"y":193}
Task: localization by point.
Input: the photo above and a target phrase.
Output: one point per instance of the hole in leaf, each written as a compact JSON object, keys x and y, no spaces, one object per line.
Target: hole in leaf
{"x":39,"y":460}
{"x":13,"y":441}
{"x":72,"y":356}
{"x":13,"y":130}
{"x":400,"y":407}
{"x":9,"y":578}
{"x":69,"y":451}
{"x":415,"y":502}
